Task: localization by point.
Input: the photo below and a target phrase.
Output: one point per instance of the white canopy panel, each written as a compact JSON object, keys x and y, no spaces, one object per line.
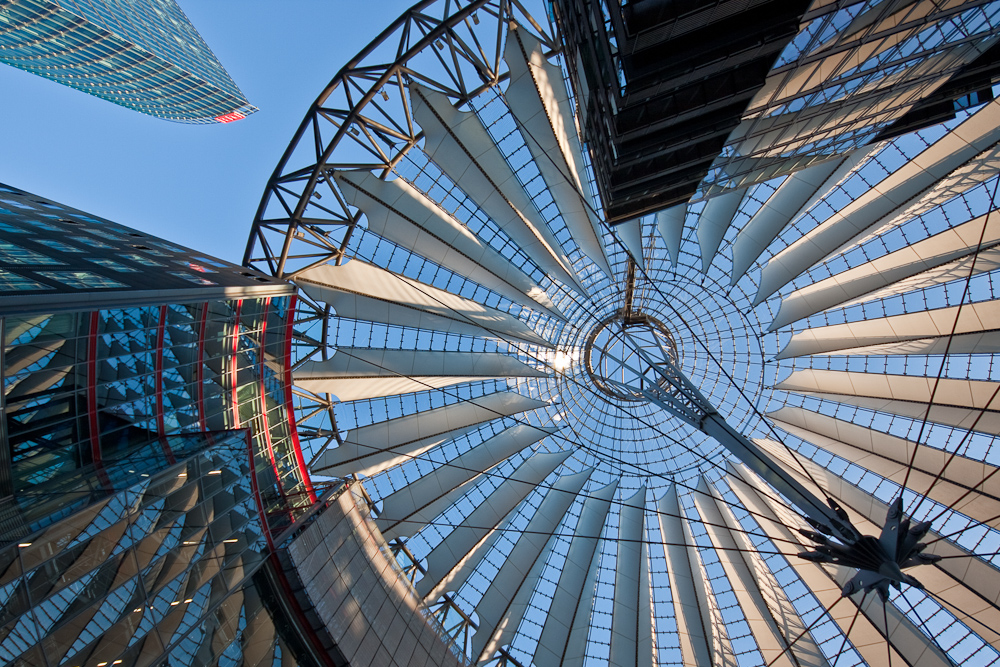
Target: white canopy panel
{"x":967,"y":404}
{"x":851,"y":223}
{"x":451,"y":561}
{"x":356,"y":373}
{"x":407,"y":510}
{"x":381,"y":445}
{"x":399,"y":212}
{"x":538,"y":99}
{"x":459,"y":144}
{"x":365,"y":292}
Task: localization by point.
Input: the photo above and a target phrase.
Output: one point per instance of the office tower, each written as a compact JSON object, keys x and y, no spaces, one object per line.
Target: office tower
{"x":148,"y":457}
{"x":690,"y":99}
{"x":140,"y":54}
{"x":155,"y":507}
{"x":608,"y":444}
{"x":139,"y":377}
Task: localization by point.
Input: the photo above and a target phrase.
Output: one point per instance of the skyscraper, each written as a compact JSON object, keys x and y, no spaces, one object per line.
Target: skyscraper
{"x":154,"y":504}
{"x":758,"y":427}
{"x":147,"y":458}
{"x":691,"y":99}
{"x":140,"y":54}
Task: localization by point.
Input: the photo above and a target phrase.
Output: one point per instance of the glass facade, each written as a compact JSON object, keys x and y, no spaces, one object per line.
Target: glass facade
{"x":82,"y":387}
{"x":48,"y":247}
{"x":140,"y":54}
{"x":151,"y":559}
{"x":149,"y":462}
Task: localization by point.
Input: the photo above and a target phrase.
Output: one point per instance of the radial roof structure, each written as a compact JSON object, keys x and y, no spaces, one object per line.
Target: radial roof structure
{"x":590,"y":444}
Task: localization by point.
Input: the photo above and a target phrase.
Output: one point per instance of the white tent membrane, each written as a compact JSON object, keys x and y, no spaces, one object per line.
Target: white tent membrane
{"x":563,"y":637}
{"x":843,"y":317}
{"x":690,"y":599}
{"x":495,"y":606}
{"x":961,"y":330}
{"x":397,"y":211}
{"x":630,"y":621}
{"x":539,"y":101}
{"x":462,"y":147}
{"x":446,"y":571}
{"x":365,"y":292}
{"x":939,"y":252}
{"x":773,"y":620}
{"x":384,"y":444}
{"x":850,"y":223}
{"x":357,"y":373}
{"x":970,"y":487}
{"x":405,"y":511}
{"x":794,"y":196}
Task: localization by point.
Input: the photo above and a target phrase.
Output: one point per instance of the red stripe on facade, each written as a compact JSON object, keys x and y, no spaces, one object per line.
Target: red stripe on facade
{"x":92,"y":422}
{"x":199,"y":367}
{"x":161,"y":330}
{"x":289,"y":398}
{"x":261,"y":514}
{"x":234,"y":364}
{"x":265,"y":424}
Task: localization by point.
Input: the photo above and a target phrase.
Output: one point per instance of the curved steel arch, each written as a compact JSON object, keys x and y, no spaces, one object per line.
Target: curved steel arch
{"x":349,"y":119}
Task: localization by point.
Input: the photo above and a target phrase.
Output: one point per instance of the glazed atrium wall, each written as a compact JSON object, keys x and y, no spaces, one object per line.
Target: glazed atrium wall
{"x":149,"y":461}
{"x":155,"y":507}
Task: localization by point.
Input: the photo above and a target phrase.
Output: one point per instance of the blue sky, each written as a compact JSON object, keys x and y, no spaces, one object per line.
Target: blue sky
{"x":194,"y":185}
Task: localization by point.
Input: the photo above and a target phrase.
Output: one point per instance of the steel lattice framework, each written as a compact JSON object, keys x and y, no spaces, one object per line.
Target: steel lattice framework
{"x":822,"y":362}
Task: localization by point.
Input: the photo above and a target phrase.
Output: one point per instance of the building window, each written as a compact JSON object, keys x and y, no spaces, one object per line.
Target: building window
{"x":91,"y":242}
{"x":58,"y":245}
{"x":211,"y":262}
{"x":192,"y":279}
{"x":14,"y":282}
{"x":4,"y":227}
{"x":38,"y":224}
{"x":14,"y":254}
{"x":106,"y":234}
{"x":195,"y":267}
{"x":113,"y":265}
{"x":139,"y":259}
{"x":169,"y":246}
{"x":151,"y":251}
{"x":81,"y":279}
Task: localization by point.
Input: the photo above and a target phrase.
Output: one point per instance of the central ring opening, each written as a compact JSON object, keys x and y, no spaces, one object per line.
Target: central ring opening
{"x":621,"y":351}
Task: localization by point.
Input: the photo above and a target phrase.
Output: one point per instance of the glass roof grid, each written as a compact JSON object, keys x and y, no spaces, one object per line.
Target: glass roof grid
{"x":512,"y":529}
{"x":962,"y":209}
{"x":599,"y":635}
{"x":825,"y":631}
{"x":667,"y":642}
{"x":384,"y":483}
{"x":530,"y":629}
{"x":417,"y":169}
{"x":503,"y":128}
{"x":381,"y":409}
{"x":430,"y":536}
{"x":720,"y":588}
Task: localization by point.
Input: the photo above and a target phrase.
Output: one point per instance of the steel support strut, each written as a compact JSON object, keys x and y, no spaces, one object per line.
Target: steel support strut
{"x":672,"y":391}
{"x":879,"y":561}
